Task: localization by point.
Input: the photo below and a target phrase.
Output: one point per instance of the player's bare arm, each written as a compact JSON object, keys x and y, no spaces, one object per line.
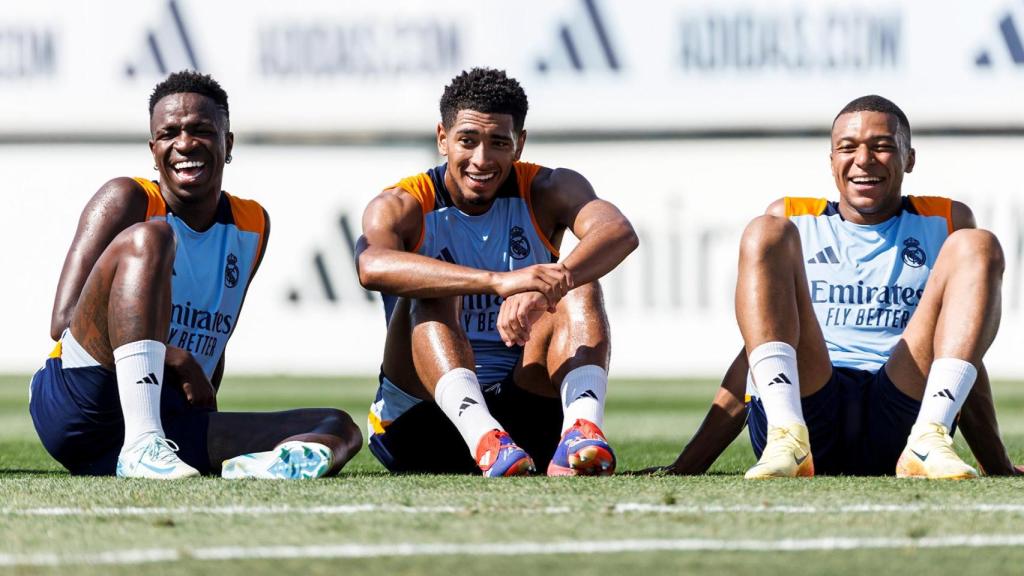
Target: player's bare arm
{"x":117,"y":205}
{"x":728,"y":412}
{"x":392,"y":224}
{"x":777,"y":208}
{"x":978,"y":417}
{"x":722,"y":424}
{"x":181,"y":368}
{"x":564,"y":199}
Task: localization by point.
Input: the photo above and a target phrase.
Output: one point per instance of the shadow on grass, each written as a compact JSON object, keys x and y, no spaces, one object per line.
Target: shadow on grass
{"x":30,"y":472}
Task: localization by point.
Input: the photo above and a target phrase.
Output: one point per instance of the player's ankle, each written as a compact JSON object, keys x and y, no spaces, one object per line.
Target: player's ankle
{"x":922,"y":428}
{"x":141,"y":439}
{"x":489,"y":442}
{"x":583,"y":392}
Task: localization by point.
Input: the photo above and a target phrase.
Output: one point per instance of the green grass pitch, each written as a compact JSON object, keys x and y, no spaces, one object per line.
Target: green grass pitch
{"x":368,"y":522}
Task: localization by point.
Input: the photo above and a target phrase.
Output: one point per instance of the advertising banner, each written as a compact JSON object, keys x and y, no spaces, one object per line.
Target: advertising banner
{"x":323,"y":69}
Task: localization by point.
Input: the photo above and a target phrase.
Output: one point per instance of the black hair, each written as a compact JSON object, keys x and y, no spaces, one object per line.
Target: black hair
{"x":484,"y":90}
{"x":876,"y":103}
{"x":190,"y":81}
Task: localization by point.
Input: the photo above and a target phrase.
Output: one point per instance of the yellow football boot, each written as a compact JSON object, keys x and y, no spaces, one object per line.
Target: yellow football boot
{"x":929,"y":454}
{"x":787,"y":454}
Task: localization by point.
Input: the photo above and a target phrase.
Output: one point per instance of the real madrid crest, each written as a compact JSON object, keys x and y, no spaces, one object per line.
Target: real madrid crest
{"x":518,"y":245}
{"x":231,"y":271}
{"x":913,"y":255}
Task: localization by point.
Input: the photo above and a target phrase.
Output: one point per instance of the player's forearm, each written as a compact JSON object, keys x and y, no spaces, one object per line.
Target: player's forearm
{"x":723,"y":423}
{"x":60,"y":320}
{"x":981,"y":429}
{"x":600,"y":250}
{"x":69,"y":288}
{"x":416,"y":276}
{"x":218,"y":374}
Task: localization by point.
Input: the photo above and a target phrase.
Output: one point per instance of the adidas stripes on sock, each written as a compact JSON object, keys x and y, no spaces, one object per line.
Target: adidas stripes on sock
{"x":773,"y":366}
{"x":140,"y":373}
{"x":949,"y":382}
{"x":583,"y":391}
{"x":458,"y":395}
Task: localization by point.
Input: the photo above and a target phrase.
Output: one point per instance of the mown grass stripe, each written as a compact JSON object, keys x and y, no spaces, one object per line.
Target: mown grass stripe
{"x":143,"y":556}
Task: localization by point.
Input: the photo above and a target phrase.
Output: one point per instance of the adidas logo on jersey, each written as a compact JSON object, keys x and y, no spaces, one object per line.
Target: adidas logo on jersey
{"x":780,"y":379}
{"x":149,"y":379}
{"x":466,"y":403}
{"x":826,"y":256}
{"x":944,"y":393}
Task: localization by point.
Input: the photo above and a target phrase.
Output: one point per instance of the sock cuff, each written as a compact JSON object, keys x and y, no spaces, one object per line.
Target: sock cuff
{"x":139,"y":347}
{"x":452,"y":378}
{"x":589,"y":371}
{"x":956,"y":365}
{"x":768,"y":350}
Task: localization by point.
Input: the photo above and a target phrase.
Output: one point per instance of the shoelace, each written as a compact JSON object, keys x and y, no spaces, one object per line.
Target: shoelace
{"x":780,"y":433}
{"x":943,"y":441}
{"x":162,"y":450}
{"x":784,"y":439}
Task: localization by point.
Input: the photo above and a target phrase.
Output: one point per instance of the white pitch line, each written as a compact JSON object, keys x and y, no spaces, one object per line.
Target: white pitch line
{"x":620,"y":508}
{"x":256,"y":510}
{"x":634,"y":507}
{"x":142,"y":556}
{"x":234,"y":510}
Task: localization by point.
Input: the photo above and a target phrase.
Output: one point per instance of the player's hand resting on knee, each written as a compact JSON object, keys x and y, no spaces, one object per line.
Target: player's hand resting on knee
{"x":517,"y":315}
{"x":553,"y":281}
{"x":180,"y":366}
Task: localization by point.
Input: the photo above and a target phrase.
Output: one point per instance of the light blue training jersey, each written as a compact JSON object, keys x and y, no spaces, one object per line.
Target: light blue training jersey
{"x":212,"y":270}
{"x":865,"y":281}
{"x":502,"y":239}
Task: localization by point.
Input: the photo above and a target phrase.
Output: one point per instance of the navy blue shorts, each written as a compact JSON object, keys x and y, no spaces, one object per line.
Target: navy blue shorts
{"x":858,"y":423}
{"x":77,"y":414}
{"x":422,"y":439}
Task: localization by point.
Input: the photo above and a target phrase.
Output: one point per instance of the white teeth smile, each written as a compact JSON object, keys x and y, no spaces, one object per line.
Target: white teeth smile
{"x":865,"y":180}
{"x":189,"y":164}
{"x":480,"y":177}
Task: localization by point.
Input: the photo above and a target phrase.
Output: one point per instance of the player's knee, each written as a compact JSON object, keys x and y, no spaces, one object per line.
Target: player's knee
{"x":977,"y":247}
{"x":148,"y":240}
{"x":340,"y":424}
{"x":766,"y":235}
{"x":434,"y":310}
{"x":583,"y":299}
{"x":589,"y":294}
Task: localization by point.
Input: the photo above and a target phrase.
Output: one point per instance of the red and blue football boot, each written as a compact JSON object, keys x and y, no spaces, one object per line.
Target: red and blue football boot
{"x":497,"y":455}
{"x":583,"y":451}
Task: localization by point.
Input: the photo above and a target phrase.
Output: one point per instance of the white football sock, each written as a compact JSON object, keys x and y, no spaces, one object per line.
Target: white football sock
{"x":583,"y":391}
{"x":140,"y":375}
{"x":949,"y":382}
{"x":773,"y":366}
{"x":459,"y":397}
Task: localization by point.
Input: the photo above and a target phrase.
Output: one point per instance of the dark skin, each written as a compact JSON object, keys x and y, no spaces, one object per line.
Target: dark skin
{"x":184,"y":128}
{"x":561,"y":328}
{"x":958,"y":315}
{"x":115,"y":286}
